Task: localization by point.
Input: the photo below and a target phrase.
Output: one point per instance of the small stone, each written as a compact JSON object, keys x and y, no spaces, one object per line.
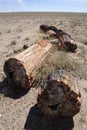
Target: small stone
{"x":12,"y":105}
{"x":25,"y":46}
{"x":0,"y":115}
{"x":9,"y":127}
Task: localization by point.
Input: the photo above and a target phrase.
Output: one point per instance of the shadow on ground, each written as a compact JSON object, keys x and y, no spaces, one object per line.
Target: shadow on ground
{"x":7,"y":90}
{"x":37,"y":121}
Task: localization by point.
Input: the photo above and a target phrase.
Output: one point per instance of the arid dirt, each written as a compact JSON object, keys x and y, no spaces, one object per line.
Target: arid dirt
{"x":18,"y":109}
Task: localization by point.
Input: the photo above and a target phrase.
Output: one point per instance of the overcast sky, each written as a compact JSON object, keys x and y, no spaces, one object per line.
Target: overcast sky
{"x":43,"y":5}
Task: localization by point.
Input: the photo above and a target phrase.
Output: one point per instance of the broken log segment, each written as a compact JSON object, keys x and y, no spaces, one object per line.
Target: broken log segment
{"x":60,"y":95}
{"x":65,"y":41}
{"x":22,"y":68}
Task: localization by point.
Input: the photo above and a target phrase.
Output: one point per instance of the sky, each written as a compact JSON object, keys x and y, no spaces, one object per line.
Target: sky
{"x":43,"y":6}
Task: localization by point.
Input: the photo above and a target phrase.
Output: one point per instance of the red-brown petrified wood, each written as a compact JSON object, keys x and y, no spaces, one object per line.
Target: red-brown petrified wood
{"x":60,"y":95}
{"x":22,"y":68}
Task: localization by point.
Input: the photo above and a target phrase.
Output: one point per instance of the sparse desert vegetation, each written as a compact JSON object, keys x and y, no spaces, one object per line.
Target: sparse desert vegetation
{"x":13,"y":42}
{"x":85,"y":42}
{"x":23,"y":29}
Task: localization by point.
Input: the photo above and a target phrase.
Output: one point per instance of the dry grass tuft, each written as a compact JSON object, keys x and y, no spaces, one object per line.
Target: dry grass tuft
{"x":57,"y":60}
{"x":26,"y":39}
{"x":13,"y":42}
{"x":9,"y":31}
{"x":85,"y":43}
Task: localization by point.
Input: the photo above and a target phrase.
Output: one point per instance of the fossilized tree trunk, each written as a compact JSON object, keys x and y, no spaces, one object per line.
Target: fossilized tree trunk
{"x":60,"y":95}
{"x":22,"y":68}
{"x":64,"y":40}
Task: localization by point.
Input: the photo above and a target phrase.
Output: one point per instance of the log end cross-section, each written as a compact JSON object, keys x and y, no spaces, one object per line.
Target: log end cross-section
{"x":60,"y":95}
{"x":16,"y":73}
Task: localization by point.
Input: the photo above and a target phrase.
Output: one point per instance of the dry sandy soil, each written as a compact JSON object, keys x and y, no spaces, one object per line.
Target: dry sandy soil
{"x":17,"y":109}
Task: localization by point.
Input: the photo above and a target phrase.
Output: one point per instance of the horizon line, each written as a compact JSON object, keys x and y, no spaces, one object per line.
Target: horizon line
{"x":40,"y":12}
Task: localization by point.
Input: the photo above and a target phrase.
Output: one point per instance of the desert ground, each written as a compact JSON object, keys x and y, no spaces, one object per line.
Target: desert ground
{"x":18,"y":111}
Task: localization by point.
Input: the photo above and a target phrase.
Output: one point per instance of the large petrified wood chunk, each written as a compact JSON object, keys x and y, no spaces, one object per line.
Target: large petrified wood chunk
{"x":60,"y":95}
{"x":65,"y":41}
{"x":22,"y":68}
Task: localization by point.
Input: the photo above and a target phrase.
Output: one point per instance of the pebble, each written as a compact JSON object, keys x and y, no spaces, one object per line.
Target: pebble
{"x":0,"y":115}
{"x":12,"y":105}
{"x":25,"y":46}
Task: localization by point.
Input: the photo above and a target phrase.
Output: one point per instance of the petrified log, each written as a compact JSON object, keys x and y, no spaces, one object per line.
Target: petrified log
{"x":60,"y":95}
{"x":65,"y":42}
{"x":22,"y":68}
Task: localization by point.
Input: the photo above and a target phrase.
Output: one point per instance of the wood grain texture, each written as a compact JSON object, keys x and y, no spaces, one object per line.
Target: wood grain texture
{"x":22,"y":68}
